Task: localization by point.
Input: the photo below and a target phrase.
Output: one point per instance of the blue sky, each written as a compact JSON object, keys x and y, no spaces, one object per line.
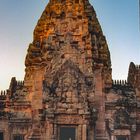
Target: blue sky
{"x":119,"y":20}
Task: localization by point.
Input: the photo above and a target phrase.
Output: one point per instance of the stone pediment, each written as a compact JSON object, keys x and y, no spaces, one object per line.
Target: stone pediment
{"x":68,"y":78}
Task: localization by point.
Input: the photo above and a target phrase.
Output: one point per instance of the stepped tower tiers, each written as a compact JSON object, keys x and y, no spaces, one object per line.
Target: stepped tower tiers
{"x":67,"y":64}
{"x":68,"y":92}
{"x":68,"y":30}
{"x":67,"y":59}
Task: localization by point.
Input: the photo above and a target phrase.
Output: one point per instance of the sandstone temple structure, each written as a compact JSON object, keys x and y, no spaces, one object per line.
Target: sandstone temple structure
{"x":68,"y":92}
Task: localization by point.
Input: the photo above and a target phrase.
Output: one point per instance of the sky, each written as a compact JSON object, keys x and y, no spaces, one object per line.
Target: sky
{"x":119,"y":20}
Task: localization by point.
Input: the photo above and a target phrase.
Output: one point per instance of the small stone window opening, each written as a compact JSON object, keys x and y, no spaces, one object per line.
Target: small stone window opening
{"x":62,"y":1}
{"x":63,"y":15}
{"x":18,"y":137}
{"x":77,"y":1}
{"x":1,"y":136}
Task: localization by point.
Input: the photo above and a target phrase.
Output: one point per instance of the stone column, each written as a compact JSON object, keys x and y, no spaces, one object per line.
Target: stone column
{"x":55,"y":131}
{"x":112,"y":137}
{"x":84,"y":132}
{"x":91,"y":133}
{"x":49,"y":131}
{"x":99,"y":102}
{"x":37,"y":95}
{"x":79,"y":132}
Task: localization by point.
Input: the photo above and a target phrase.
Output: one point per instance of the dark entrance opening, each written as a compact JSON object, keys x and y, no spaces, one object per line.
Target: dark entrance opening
{"x":18,"y":137}
{"x":1,"y":136}
{"x":67,"y":133}
{"x":121,"y":138}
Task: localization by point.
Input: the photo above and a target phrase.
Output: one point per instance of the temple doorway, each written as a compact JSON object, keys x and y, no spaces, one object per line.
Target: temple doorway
{"x":1,"y":136}
{"x":121,"y":138}
{"x":67,"y":133}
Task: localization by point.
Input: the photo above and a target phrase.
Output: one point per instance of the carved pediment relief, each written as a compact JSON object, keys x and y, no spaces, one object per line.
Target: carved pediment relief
{"x":68,"y":78}
{"x":122,"y":118}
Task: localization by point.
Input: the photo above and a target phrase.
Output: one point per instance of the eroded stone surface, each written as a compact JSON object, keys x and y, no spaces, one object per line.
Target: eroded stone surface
{"x":68,"y":82}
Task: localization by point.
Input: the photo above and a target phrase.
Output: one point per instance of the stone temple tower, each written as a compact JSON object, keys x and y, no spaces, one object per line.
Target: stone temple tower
{"x":67,"y":65}
{"x":68,"y":93}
